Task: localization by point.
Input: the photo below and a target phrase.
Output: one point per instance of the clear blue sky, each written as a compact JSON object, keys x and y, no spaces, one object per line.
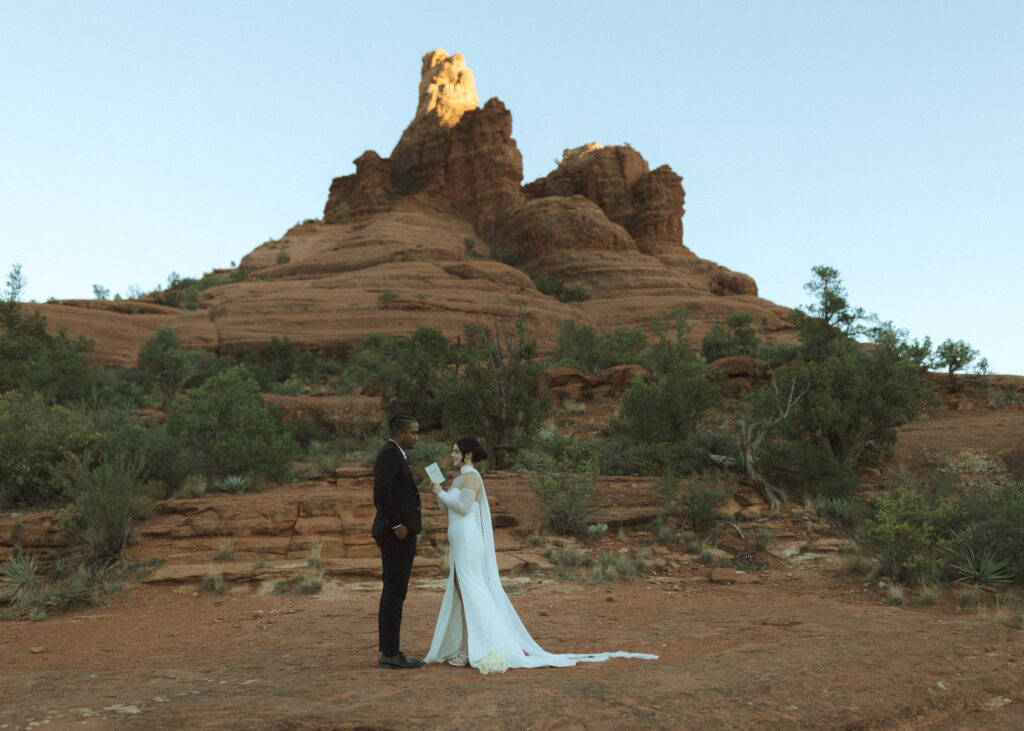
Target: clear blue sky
{"x":885,"y":139}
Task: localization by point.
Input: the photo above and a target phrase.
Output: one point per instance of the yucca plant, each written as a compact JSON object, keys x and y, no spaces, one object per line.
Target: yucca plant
{"x":18,"y":581}
{"x":979,"y":569}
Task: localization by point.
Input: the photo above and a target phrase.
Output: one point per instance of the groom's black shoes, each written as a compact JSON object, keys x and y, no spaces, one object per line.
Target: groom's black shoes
{"x":398,"y":662}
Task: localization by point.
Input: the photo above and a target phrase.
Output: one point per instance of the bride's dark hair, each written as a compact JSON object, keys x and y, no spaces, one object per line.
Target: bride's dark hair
{"x":472,"y":447}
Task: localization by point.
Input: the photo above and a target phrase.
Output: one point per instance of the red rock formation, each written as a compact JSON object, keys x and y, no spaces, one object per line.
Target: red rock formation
{"x":410,"y":241}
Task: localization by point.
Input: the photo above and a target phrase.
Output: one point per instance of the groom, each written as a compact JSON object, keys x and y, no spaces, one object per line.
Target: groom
{"x":394,"y":528}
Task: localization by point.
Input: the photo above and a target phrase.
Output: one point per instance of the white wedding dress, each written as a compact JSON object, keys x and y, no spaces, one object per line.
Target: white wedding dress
{"x":491,"y":622}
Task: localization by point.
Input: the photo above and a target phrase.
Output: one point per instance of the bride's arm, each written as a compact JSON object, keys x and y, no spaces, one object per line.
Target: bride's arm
{"x":459,"y":498}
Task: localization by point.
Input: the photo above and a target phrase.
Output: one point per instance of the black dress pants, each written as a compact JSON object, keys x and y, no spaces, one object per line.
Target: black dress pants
{"x":396,"y":560}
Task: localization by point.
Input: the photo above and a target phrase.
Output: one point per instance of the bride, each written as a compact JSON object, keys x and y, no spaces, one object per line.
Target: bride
{"x":477,"y":625}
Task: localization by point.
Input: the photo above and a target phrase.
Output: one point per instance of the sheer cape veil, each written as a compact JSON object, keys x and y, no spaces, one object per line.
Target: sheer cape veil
{"x":493,"y":606}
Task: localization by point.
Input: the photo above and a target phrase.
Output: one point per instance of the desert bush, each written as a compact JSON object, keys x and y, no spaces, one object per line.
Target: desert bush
{"x":701,"y":500}
{"x":282,"y":367}
{"x":305,"y":432}
{"x":807,"y":468}
{"x":565,"y":487}
{"x":928,"y":594}
{"x":554,"y":287}
{"x":581,"y":346}
{"x":895,"y":594}
{"x":404,"y":372}
{"x":618,"y":458}
{"x":609,"y":567}
{"x":912,"y":532}
{"x":668,"y":488}
{"x":665,"y":411}
{"x":226,"y":428}
{"x":32,"y":360}
{"x":194,"y":486}
{"x":314,"y":560}
{"x":106,"y":501}
{"x":118,"y":388}
{"x":308,"y":582}
{"x":494,"y":389}
{"x":35,"y":440}
{"x":81,"y":587}
{"x":171,"y":367}
{"x":213,"y":583}
{"x":667,"y":407}
{"x":733,"y":337}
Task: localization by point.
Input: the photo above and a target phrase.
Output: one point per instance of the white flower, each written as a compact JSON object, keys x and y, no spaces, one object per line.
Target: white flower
{"x":494,"y":661}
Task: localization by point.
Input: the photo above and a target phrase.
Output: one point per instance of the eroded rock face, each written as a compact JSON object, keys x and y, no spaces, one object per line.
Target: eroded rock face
{"x":447,"y":91}
{"x":413,"y":240}
{"x":556,"y":224}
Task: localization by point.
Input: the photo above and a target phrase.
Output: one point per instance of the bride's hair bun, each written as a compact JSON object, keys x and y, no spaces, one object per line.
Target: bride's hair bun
{"x":472,"y":447}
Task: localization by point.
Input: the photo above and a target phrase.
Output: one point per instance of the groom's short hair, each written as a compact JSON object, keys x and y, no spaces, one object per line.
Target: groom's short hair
{"x":399,"y":423}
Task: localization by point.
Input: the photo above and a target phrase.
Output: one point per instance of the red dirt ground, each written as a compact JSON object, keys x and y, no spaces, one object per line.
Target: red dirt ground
{"x":802,"y":646}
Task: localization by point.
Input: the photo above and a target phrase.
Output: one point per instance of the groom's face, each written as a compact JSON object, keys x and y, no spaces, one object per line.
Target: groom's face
{"x":407,"y":437}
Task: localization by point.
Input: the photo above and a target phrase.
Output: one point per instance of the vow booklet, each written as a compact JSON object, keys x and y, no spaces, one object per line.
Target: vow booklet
{"x":434,"y":473}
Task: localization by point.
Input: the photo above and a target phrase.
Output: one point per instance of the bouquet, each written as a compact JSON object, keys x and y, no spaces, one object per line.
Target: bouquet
{"x":494,"y":661}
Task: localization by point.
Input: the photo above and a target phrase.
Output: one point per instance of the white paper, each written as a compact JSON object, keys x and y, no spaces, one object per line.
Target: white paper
{"x":434,"y":473}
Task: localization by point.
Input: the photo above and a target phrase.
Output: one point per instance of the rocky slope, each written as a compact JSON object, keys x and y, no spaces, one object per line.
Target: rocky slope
{"x":415,"y":240}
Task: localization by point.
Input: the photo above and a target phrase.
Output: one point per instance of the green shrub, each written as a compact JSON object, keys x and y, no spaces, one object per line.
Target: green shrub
{"x":304,"y":431}
{"x":194,"y":486}
{"x":226,"y":428}
{"x":171,"y":367}
{"x":565,"y":487}
{"x":808,"y":468}
{"x":308,"y":582}
{"x":32,"y":360}
{"x":493,"y":389}
{"x":912,"y":532}
{"x":701,"y":501}
{"x":666,"y":410}
{"x":283,"y":368}
{"x":554,"y":287}
{"x":106,"y":500}
{"x":996,"y":516}
{"x":581,"y":346}
{"x":734,"y":337}
{"x":404,"y":371}
{"x":35,"y":439}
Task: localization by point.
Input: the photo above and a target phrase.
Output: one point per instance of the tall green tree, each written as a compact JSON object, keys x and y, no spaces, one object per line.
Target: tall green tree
{"x":954,"y":356}
{"x":163,"y":358}
{"x":33,"y":360}
{"x":493,"y":389}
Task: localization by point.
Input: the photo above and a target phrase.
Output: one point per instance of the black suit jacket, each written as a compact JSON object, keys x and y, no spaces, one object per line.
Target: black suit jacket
{"x":394,"y":492}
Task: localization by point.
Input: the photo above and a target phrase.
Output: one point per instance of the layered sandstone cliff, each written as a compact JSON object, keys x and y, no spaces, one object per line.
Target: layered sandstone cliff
{"x":419,"y":239}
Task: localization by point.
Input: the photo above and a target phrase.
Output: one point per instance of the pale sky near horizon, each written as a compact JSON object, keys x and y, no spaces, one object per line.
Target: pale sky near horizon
{"x":885,"y":139}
